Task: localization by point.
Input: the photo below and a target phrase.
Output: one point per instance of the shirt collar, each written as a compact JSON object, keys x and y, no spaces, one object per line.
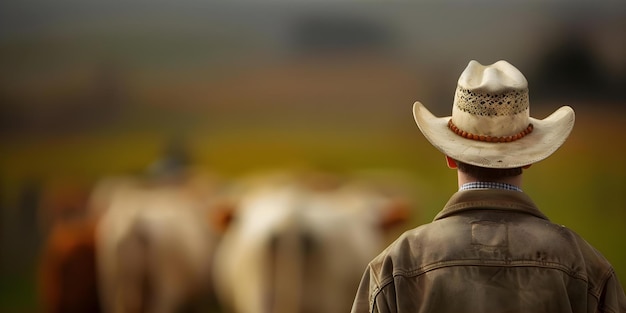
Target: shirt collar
{"x":490,"y":199}
{"x":489,"y":185}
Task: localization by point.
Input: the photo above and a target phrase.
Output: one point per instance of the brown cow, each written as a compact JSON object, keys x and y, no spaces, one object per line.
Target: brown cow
{"x":67,"y":272}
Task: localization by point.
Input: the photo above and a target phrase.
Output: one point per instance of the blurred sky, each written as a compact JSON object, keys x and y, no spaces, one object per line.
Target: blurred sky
{"x":60,"y":60}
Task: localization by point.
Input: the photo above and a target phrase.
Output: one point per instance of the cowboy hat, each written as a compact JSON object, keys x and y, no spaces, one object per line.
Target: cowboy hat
{"x":490,"y":124}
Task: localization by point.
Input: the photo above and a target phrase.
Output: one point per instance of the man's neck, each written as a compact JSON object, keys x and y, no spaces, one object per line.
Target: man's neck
{"x":463,"y":178}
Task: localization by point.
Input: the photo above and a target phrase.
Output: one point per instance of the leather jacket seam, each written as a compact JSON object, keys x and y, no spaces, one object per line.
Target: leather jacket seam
{"x":378,"y":290}
{"x":597,"y":291}
{"x":482,"y":263}
{"x":470,"y":206}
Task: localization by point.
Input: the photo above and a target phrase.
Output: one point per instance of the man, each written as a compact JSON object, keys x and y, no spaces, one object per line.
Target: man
{"x":490,"y":249}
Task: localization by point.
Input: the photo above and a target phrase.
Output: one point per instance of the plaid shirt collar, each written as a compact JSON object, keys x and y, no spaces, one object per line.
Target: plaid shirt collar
{"x":489,"y":185}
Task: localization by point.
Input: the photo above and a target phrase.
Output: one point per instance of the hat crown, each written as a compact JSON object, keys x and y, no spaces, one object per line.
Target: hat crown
{"x":491,"y":100}
{"x":495,"y":78}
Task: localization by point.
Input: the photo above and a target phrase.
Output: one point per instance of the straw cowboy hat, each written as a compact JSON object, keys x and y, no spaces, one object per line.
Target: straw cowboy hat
{"x":490,"y":124}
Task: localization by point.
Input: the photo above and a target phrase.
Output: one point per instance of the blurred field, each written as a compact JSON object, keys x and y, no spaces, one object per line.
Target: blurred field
{"x":95,"y":89}
{"x":581,"y":187}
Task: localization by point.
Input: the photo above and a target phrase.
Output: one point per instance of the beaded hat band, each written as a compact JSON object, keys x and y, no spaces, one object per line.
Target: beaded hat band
{"x":467,"y":135}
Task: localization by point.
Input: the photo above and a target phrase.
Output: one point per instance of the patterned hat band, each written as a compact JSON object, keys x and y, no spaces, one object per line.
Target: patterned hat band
{"x":491,"y":104}
{"x":491,"y":117}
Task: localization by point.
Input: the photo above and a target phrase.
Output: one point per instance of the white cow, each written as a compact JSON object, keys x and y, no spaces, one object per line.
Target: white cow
{"x":301,"y":245}
{"x":154,"y":247}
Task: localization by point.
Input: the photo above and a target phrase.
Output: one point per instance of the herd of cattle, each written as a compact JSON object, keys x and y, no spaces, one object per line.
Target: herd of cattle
{"x":292,"y":242}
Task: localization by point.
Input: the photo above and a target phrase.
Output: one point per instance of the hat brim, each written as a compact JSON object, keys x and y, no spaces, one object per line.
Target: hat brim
{"x":547,"y":136}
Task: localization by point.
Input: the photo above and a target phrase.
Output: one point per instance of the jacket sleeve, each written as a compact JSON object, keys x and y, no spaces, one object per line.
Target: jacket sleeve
{"x":369,"y":298}
{"x":362,"y":300}
{"x":612,"y":299}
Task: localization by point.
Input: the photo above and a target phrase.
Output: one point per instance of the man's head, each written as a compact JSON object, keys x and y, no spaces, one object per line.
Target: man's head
{"x":490,"y":126}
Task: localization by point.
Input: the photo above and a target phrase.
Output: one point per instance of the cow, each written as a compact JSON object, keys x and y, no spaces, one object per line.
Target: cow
{"x":154,"y":245}
{"x":300,"y":243}
{"x":67,"y":274}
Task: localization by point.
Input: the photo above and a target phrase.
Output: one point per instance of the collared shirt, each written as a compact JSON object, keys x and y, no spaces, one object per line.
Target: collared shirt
{"x":489,"y":185}
{"x":489,"y":250}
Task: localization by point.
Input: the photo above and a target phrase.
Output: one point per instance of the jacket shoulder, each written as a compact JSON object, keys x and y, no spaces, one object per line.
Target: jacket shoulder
{"x":596,"y":268}
{"x":400,"y":257}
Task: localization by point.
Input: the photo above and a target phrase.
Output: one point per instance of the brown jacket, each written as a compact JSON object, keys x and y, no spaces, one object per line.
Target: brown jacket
{"x":490,"y":251}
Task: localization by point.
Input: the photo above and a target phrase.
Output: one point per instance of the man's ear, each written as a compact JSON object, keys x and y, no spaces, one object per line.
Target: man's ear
{"x":451,"y":162}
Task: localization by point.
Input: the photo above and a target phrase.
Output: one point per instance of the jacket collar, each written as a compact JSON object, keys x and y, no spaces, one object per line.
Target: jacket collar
{"x":491,"y":199}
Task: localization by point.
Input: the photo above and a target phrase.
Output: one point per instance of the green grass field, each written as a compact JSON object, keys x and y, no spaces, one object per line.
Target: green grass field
{"x":583,"y":186}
